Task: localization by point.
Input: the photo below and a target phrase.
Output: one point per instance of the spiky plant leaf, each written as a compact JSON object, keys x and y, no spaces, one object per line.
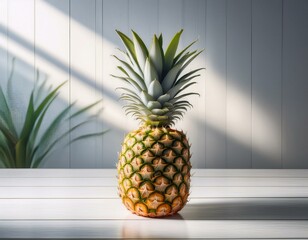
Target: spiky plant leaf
{"x":140,"y":50}
{"x":129,"y":71}
{"x":7,"y":134}
{"x":160,"y":40}
{"x":164,"y":98}
{"x":129,"y":45}
{"x":178,"y":56}
{"x":5,"y":114}
{"x":150,"y":72}
{"x":185,"y":76}
{"x":6,"y":151}
{"x":171,"y":50}
{"x":129,"y":81}
{"x":153,"y":104}
{"x":179,"y":88}
{"x":183,"y":84}
{"x":170,"y":78}
{"x":33,"y":136}
{"x":155,"y":89}
{"x":145,"y":97}
{"x":196,"y":54}
{"x":176,"y":99}
{"x":157,"y":55}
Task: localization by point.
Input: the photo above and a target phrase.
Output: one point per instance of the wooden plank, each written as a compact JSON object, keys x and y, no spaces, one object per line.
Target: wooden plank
{"x":111,"y":192}
{"x":54,"y":173}
{"x":238,"y":84}
{"x":267,"y":83}
{"x":196,"y":209}
{"x":52,"y":59}
{"x":248,"y":182}
{"x":196,"y":182}
{"x":295,"y":84}
{"x":115,"y":16}
{"x":53,"y":209}
{"x":216,"y":89}
{"x":83,"y":87}
{"x":250,"y":173}
{"x":59,"y":182}
{"x":197,"y":229}
{"x":194,"y":120}
{"x":98,"y":173}
{"x":167,"y":228}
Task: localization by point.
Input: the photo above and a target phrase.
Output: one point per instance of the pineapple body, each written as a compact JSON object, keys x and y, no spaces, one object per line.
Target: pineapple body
{"x":154,"y":163}
{"x":154,"y":171}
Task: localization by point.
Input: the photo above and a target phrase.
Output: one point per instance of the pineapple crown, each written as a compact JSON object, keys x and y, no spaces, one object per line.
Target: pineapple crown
{"x":156,"y":79}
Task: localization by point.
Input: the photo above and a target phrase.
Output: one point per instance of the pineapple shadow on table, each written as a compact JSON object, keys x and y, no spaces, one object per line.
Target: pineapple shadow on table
{"x":247,"y":209}
{"x":134,"y":227}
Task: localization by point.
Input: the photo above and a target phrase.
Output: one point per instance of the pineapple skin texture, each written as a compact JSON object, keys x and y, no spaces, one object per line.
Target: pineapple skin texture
{"x":154,"y":171}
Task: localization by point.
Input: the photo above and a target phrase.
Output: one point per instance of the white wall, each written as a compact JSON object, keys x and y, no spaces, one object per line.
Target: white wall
{"x":252,"y":112}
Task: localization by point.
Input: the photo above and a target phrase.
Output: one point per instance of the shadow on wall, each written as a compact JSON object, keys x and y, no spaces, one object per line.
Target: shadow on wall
{"x":87,"y":84}
{"x":221,"y":160}
{"x":56,"y":62}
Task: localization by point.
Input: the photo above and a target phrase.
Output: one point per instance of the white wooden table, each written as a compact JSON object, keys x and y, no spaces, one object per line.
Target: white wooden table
{"x":72,"y":203}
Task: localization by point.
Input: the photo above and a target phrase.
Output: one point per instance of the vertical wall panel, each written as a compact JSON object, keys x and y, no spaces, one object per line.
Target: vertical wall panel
{"x":295,"y":84}
{"x":114,"y":116}
{"x":99,"y":78}
{"x":52,"y":60}
{"x":266,"y":83}
{"x":169,"y":18}
{"x":194,"y":120}
{"x":239,"y":84}
{"x":143,"y":18}
{"x":21,"y":45}
{"x":3,"y":47}
{"x":3,"y":44}
{"x":83,"y":82}
{"x":215,"y":91}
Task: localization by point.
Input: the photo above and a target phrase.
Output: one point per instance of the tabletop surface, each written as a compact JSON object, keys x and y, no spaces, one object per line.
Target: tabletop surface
{"x":83,"y":203}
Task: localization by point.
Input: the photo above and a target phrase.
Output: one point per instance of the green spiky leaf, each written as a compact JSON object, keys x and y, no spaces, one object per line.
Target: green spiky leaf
{"x":157,"y":55}
{"x":150,"y":72}
{"x":155,"y":89}
{"x":130,"y":72}
{"x":182,"y":52}
{"x":129,"y":45}
{"x":171,"y":50}
{"x":140,"y":50}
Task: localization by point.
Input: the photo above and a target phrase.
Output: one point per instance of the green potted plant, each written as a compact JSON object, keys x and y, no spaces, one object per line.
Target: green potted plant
{"x":29,"y":147}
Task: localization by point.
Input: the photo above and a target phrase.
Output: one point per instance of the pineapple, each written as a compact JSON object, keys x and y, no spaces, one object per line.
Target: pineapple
{"x":154,"y":163}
